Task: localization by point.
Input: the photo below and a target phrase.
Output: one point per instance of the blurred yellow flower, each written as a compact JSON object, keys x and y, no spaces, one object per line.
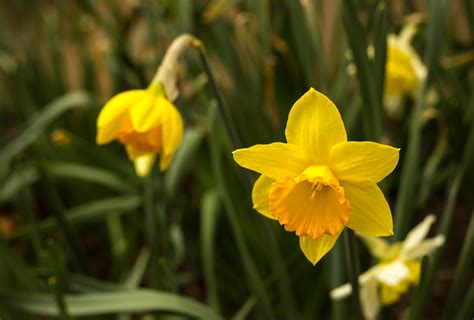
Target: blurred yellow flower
{"x":398,"y":268}
{"x":404,"y":73}
{"x":146,"y":123}
{"x":318,"y":182}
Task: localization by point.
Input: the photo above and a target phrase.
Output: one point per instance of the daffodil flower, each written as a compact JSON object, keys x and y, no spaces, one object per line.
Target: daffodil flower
{"x":404,"y":73}
{"x":145,"y":121}
{"x":398,"y":268}
{"x":318,"y":182}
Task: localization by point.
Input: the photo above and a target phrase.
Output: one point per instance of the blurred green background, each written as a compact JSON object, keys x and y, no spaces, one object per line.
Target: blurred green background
{"x":73,"y":227}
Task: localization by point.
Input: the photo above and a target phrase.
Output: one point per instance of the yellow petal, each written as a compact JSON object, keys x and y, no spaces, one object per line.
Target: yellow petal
{"x":114,"y":113}
{"x":370,"y":213}
{"x":172,"y":128}
{"x":315,"y":249}
{"x":147,"y":113}
{"x":260,"y":192}
{"x":144,"y":164}
{"x":314,"y":123}
{"x":361,"y":161}
{"x":276,"y":160}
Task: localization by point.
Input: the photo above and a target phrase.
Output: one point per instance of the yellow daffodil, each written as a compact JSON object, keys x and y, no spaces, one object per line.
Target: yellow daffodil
{"x":404,"y":73}
{"x":318,"y":182}
{"x":398,"y":268}
{"x":146,"y":123}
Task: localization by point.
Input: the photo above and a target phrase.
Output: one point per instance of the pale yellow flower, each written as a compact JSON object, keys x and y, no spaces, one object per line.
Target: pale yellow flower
{"x":318,"y":182}
{"x":398,"y":268}
{"x":404,"y":70}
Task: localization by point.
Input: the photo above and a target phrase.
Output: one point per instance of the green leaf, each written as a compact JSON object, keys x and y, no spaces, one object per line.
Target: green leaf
{"x":210,"y":210}
{"x":37,"y":124}
{"x":467,"y":307}
{"x":380,"y":50}
{"x":89,"y":212}
{"x":25,"y":176}
{"x":92,"y":304}
{"x":17,"y":181}
{"x":356,"y":37}
{"x":463,"y":271}
{"x":13,"y":271}
{"x":90,"y":174}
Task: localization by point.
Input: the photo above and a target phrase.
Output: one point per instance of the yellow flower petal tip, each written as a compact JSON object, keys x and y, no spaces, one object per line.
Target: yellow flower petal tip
{"x":146,"y":123}
{"x":315,"y":249}
{"x":318,"y":183}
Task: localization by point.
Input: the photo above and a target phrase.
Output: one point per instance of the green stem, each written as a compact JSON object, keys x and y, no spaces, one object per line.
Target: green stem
{"x":284,"y":285}
{"x":26,"y":204}
{"x":59,"y":297}
{"x":336,"y":272}
{"x":150,"y":229}
{"x":352,"y":261}
{"x":57,"y":209}
{"x":410,"y":171}
{"x":229,"y":123}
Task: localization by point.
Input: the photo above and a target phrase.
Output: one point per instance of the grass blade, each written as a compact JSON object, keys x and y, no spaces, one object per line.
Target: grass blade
{"x":209,"y":214}
{"x":89,"y":212}
{"x":463,"y":272}
{"x":93,"y":304}
{"x":38,"y":123}
{"x":358,"y":43}
{"x":467,"y":307}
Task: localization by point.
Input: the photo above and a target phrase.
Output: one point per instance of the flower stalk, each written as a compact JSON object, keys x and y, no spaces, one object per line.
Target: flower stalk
{"x":231,"y":129}
{"x":352,"y":262}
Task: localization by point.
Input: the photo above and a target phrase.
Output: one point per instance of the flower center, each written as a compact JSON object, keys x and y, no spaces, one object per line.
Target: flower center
{"x":402,"y":274}
{"x":147,"y":142}
{"x":311,"y":205}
